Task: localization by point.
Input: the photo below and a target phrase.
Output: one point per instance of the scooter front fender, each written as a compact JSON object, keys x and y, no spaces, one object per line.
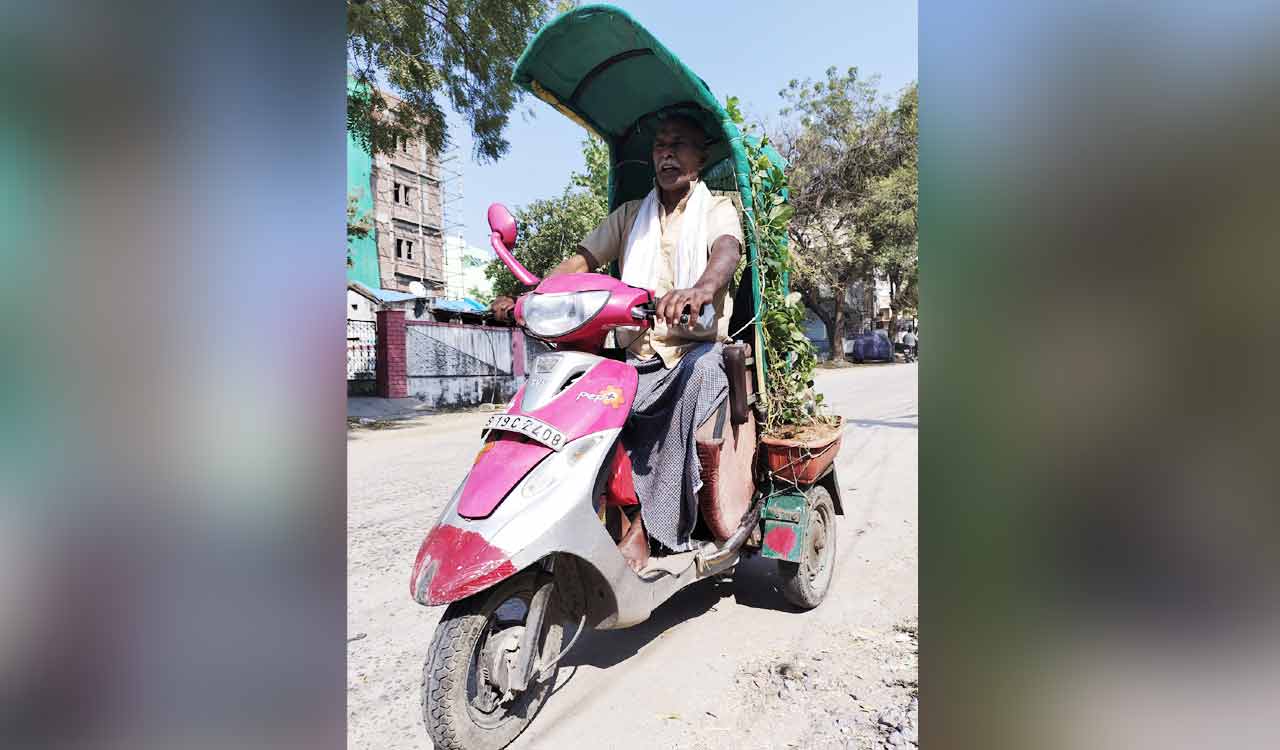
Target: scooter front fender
{"x":471,"y":563}
{"x":462,"y":556}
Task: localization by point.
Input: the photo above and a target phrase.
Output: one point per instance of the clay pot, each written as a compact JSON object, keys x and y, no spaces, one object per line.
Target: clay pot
{"x":801,"y":461}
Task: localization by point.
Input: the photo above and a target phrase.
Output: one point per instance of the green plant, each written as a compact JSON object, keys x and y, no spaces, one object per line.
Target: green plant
{"x":359,"y":223}
{"x":790,"y":401}
{"x":480,"y":295}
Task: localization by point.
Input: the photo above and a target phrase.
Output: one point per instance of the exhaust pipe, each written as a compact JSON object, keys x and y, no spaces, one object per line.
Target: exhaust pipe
{"x":709,"y":561}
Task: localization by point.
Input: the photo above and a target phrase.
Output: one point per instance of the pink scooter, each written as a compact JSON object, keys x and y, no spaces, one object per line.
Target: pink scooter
{"x":525,"y":546}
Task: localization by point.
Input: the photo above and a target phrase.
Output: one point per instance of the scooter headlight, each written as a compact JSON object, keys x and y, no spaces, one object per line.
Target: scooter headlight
{"x":552,"y":315}
{"x":554,"y":467}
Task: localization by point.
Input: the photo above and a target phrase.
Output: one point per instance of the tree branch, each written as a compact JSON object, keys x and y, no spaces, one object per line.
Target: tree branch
{"x":812,"y":302}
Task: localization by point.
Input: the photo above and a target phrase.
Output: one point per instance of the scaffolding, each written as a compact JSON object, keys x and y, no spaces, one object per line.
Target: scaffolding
{"x":454,"y":224}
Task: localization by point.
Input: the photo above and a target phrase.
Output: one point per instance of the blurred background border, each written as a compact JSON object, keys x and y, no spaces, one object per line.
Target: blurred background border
{"x":1097,"y":246}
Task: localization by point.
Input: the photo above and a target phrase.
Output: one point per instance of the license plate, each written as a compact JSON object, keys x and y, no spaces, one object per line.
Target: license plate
{"x":528,"y":426}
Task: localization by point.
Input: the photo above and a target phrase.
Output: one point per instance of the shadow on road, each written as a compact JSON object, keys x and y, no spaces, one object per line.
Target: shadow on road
{"x":756,"y":584}
{"x":561,"y":680}
{"x":354,"y":427}
{"x":887,"y":422}
{"x":606,"y":648}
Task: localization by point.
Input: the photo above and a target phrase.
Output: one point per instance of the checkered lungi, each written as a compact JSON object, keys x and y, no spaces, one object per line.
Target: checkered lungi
{"x":668,"y":407}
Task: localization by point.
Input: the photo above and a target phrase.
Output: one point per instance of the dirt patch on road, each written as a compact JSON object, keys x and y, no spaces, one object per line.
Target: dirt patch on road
{"x":859,"y":690}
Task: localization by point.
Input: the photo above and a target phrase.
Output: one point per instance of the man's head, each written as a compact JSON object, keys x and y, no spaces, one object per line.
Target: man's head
{"x":679,"y":152}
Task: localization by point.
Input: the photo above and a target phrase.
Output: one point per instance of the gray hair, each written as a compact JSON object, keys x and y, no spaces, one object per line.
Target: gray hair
{"x":669,"y":115}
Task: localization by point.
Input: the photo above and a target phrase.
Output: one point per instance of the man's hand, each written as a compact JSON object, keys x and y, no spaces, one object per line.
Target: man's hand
{"x":724,"y":259}
{"x":502,"y":307}
{"x":673,"y":304}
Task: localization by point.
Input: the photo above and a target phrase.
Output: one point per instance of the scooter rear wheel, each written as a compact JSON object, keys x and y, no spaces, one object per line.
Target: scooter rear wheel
{"x":461,"y":705}
{"x":805,"y":583}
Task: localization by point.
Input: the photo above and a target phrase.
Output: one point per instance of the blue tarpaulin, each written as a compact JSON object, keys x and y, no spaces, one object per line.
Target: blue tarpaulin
{"x":384,"y":295}
{"x":873,"y":347}
{"x":459,"y":305}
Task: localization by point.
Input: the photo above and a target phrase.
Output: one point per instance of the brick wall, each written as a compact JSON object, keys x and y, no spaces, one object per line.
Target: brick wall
{"x":391,"y":378}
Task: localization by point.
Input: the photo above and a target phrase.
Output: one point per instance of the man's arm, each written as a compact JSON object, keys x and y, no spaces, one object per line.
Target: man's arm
{"x":720,"y":267}
{"x":580,"y":262}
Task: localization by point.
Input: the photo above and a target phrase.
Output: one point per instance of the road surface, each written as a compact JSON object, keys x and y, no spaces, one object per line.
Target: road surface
{"x":724,"y":664}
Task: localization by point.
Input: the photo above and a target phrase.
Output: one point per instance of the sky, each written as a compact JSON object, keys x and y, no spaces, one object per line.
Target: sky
{"x":756,"y":48}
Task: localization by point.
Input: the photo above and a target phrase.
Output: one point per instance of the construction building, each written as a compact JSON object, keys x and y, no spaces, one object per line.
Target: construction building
{"x":404,"y":194}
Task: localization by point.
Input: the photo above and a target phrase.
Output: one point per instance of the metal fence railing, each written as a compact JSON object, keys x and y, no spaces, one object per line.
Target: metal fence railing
{"x":362,"y":335}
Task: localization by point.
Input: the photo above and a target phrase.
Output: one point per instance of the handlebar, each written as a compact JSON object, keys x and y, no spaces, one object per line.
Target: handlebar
{"x":649,"y":311}
{"x":687,"y":313}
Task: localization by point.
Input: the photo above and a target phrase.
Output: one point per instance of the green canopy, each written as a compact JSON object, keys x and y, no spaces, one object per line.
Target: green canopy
{"x":607,"y":72}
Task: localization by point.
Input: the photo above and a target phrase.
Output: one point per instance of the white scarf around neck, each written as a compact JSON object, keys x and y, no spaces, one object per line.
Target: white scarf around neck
{"x":643,"y":251}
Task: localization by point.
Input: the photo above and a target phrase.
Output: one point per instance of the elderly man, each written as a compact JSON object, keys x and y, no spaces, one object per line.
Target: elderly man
{"x":683,"y":243}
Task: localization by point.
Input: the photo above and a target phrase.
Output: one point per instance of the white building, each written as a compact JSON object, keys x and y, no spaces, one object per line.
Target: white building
{"x":464,"y":268}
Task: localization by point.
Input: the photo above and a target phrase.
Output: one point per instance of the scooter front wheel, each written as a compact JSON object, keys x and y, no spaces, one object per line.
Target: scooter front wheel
{"x":466,"y":699}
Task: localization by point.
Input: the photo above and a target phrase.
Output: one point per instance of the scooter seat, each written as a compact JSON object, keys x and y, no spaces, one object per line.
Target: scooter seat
{"x":726,"y":455}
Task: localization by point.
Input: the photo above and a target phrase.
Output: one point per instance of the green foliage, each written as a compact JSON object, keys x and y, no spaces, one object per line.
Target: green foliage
{"x":892,"y":207}
{"x":482,"y":297}
{"x":359,"y":223}
{"x":596,"y":179}
{"x":789,"y":353}
{"x":465,"y":50}
{"x":734,"y":110}
{"x":549,"y":230}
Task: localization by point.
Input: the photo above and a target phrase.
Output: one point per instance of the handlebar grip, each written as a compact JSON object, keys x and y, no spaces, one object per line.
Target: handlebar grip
{"x":688,"y":310}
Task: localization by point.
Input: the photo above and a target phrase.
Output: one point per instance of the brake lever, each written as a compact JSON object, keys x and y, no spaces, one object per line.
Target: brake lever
{"x":647,"y":311}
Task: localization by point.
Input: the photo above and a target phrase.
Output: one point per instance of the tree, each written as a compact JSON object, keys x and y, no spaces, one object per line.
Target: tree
{"x":853,"y":181}
{"x":891,"y":208}
{"x":549,"y":230}
{"x":596,"y":179}
{"x":465,"y":50}
{"x":482,"y":297}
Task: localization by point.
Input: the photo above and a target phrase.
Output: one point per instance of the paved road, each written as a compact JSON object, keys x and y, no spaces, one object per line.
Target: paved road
{"x":688,"y":677}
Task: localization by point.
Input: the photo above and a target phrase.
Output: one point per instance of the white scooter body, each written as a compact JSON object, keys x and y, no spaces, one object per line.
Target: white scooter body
{"x":553,"y":512}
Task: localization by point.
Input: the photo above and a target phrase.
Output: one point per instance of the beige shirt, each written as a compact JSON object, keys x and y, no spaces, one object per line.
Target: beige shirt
{"x":607,"y":241}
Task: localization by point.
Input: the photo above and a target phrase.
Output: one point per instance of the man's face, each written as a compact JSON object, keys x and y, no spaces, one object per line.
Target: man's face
{"x":678,"y":155}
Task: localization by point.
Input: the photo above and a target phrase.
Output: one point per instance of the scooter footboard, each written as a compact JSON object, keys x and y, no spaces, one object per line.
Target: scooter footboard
{"x":599,"y":583}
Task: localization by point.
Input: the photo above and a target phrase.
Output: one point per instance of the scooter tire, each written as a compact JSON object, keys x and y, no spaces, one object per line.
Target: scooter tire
{"x":805,"y":583}
{"x":452,"y":668}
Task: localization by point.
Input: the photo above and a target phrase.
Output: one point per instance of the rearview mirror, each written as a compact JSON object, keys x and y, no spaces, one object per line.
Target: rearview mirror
{"x":502,"y":237}
{"x":502,"y":222}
